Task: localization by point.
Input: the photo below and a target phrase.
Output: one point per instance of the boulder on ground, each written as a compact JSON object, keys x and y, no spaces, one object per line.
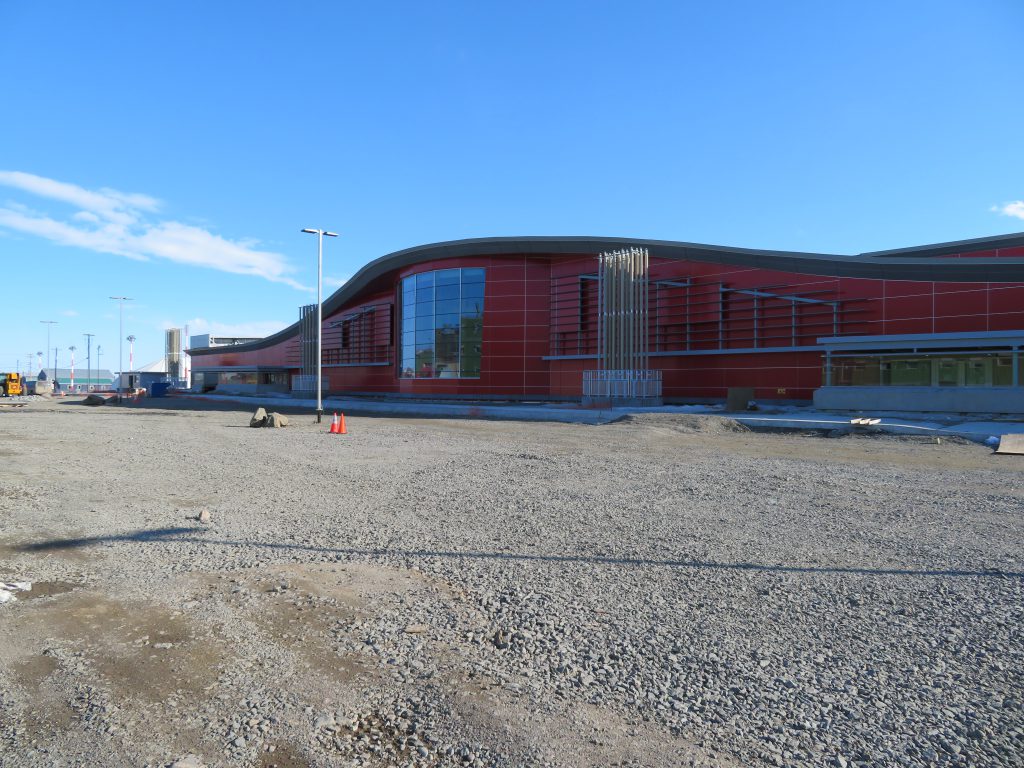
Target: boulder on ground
{"x":42,"y":388}
{"x":259,"y":419}
{"x":277,"y":420}
{"x":95,"y":399}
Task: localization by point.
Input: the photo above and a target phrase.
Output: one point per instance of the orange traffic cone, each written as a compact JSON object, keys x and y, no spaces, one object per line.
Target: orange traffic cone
{"x":341,"y":426}
{"x":334,"y":425}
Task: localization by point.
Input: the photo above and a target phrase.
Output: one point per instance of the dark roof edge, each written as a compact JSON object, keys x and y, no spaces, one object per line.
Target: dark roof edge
{"x":955,"y":246}
{"x":900,"y":264}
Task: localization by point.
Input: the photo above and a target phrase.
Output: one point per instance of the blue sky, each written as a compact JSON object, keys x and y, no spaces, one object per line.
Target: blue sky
{"x":172,"y":152}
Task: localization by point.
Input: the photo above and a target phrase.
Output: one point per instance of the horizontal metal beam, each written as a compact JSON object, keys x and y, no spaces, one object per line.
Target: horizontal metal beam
{"x":700,"y":352}
{"x":766,"y":295}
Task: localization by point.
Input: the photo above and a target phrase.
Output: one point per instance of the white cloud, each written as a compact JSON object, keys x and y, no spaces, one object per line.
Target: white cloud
{"x":111,"y":238}
{"x":1015,"y":209}
{"x":115,"y":222}
{"x":69,"y":313}
{"x":187,"y":244}
{"x":255,"y":329}
{"x":336,"y":282}
{"x":107,"y":203}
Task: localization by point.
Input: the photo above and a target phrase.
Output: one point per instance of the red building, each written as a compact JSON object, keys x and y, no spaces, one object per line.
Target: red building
{"x":515,"y":318}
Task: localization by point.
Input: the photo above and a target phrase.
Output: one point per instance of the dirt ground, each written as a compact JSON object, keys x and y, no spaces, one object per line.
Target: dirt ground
{"x":658,"y":591}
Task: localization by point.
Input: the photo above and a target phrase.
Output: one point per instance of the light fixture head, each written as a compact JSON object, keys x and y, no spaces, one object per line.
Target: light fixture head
{"x":312,"y":231}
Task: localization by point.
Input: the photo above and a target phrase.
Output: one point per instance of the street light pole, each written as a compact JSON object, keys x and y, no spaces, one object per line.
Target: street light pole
{"x":120,"y":343}
{"x":99,"y":354}
{"x":48,"y":323}
{"x":319,"y":314}
{"x":72,"y":349}
{"x":88,"y":359}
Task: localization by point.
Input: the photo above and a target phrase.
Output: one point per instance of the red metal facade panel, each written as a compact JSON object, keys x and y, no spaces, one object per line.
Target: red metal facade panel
{"x":538,"y":306}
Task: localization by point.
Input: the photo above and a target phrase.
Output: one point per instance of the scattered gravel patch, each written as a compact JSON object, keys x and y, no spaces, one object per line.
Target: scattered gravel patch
{"x":658,"y":591}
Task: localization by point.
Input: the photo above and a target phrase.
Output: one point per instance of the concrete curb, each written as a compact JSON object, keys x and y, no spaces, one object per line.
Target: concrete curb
{"x":977,"y":431}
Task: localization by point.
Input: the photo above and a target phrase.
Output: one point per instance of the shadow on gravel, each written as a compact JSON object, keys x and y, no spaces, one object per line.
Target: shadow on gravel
{"x":178,"y":534}
{"x":154,"y":534}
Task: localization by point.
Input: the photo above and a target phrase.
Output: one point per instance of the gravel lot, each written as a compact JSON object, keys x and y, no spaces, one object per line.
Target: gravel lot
{"x":660,"y":591}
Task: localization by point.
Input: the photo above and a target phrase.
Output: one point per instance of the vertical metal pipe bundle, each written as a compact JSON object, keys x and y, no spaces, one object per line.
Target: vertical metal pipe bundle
{"x":622,"y":309}
{"x":307,"y":341}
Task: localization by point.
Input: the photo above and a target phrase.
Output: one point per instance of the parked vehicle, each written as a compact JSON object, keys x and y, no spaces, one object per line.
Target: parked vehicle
{"x":12,"y":385}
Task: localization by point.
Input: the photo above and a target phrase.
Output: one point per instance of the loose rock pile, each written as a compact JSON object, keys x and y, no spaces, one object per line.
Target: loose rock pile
{"x":262,"y":419}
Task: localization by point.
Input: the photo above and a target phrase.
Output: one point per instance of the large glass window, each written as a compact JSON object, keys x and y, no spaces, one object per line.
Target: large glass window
{"x":978,"y":369}
{"x":442,"y":324}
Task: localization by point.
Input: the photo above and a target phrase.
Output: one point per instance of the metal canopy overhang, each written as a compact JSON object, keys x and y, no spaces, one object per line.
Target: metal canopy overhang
{"x":977,"y":339}
{"x":924,"y":263}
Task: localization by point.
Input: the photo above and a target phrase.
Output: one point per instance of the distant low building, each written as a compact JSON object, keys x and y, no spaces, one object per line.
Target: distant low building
{"x":145,"y":376}
{"x":83,"y":377}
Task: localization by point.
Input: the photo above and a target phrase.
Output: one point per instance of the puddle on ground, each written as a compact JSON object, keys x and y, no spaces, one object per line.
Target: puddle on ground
{"x":143,"y":650}
{"x":30,"y":672}
{"x":46,"y":589}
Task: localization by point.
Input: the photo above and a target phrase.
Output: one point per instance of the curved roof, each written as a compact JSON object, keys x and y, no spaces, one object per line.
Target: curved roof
{"x":926,"y":262}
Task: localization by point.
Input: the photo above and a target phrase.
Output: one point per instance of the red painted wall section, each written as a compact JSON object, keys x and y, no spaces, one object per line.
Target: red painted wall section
{"x":784,"y":375}
{"x":515,"y":334}
{"x":277,"y":355}
{"x":537,"y":305}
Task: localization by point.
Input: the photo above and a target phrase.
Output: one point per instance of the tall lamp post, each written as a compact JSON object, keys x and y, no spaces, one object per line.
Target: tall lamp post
{"x":320,"y":233}
{"x":72,"y":349}
{"x":88,"y":359}
{"x":99,"y":354}
{"x":48,"y":324}
{"x":120,"y":342}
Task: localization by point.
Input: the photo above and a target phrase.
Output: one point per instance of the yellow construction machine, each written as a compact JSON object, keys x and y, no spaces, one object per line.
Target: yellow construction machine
{"x":11,"y":385}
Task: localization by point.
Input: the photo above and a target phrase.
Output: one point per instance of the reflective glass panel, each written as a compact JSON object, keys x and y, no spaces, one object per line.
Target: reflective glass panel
{"x":446,"y":307}
{"x":473,"y":291}
{"x":975,"y":369}
{"x":447,"y":276}
{"x":446,"y":321}
{"x":442,"y":324}
{"x":1002,"y":372}
{"x":444,"y":292}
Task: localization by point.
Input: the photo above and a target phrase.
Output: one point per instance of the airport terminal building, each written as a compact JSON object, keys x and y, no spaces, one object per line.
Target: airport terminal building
{"x":937,"y":327}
